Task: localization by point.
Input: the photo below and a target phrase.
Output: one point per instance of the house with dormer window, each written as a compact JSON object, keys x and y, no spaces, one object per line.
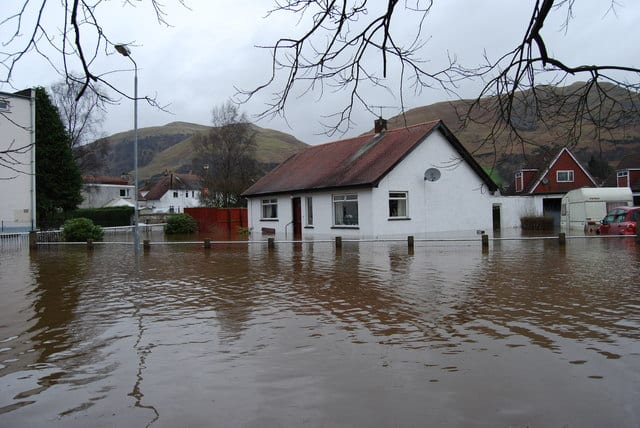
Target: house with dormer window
{"x":171,"y":193}
{"x":628,"y":175}
{"x":550,"y":175}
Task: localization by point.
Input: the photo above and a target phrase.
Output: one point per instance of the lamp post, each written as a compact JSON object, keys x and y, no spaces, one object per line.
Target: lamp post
{"x":125,"y":51}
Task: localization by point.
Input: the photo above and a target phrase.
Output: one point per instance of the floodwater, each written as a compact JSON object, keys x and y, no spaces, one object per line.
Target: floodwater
{"x":527,"y":334}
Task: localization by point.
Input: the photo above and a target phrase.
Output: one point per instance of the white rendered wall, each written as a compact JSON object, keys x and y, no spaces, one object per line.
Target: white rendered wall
{"x":17,"y":183}
{"x":179,"y":203}
{"x":458,"y":201}
{"x":98,"y":195}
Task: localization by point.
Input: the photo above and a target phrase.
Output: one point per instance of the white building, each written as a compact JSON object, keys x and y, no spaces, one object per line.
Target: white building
{"x":104,"y":191}
{"x":17,"y":161}
{"x":416,"y":181}
{"x":172,"y":193}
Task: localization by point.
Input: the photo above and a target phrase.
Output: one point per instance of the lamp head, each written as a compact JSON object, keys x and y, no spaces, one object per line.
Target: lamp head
{"x":123,"y":50}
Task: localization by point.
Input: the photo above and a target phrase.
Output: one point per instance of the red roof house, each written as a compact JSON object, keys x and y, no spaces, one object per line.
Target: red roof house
{"x":628,"y":175}
{"x":553,"y":172}
{"x":409,"y":180}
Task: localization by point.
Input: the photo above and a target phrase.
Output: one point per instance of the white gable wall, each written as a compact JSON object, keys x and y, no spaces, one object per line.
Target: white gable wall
{"x":99,"y":195}
{"x":17,"y":184}
{"x":184,"y":199}
{"x":458,"y":201}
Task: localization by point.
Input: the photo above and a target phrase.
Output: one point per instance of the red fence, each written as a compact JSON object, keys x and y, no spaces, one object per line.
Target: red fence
{"x":220,"y":223}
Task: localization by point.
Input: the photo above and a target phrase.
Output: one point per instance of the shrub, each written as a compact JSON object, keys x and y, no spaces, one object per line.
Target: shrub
{"x":180,"y":223}
{"x":80,"y":230}
{"x":536,"y":223}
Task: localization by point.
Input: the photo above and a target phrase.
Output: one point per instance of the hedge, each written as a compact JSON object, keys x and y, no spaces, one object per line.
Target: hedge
{"x":106,"y":217}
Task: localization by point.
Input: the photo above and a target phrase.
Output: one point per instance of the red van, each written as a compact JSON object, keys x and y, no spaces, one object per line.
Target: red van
{"x":620,"y":221}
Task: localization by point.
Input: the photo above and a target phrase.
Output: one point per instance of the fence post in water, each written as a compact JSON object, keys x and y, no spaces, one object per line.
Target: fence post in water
{"x":485,"y":242}
{"x":207,"y":244}
{"x":562,"y":239}
{"x":146,"y":245}
{"x":271,"y":243}
{"x":410,"y":244}
{"x":89,"y":244}
{"x":338,"y":241}
{"x":33,"y":240}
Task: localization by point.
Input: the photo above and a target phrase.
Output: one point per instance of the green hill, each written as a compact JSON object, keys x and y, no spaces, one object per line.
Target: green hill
{"x":547,"y":124}
{"x":169,"y":147}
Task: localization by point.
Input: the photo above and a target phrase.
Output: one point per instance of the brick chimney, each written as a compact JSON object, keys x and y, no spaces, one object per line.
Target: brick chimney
{"x":379,"y":125}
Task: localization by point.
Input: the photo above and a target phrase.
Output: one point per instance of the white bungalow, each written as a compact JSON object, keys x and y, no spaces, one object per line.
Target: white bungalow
{"x":17,"y":161}
{"x":415,"y":180}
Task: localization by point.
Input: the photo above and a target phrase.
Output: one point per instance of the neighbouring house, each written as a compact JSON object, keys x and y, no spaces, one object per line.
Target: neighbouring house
{"x":171,"y":193}
{"x":101,"y":191}
{"x":17,"y":161}
{"x":414,"y":180}
{"x":549,"y":176}
{"x":627,"y":174}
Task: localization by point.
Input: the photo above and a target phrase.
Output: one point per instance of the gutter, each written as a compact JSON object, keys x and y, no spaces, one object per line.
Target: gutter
{"x":32,"y":130}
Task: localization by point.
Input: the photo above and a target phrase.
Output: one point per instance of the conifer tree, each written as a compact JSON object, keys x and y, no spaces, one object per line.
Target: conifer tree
{"x":58,"y":179}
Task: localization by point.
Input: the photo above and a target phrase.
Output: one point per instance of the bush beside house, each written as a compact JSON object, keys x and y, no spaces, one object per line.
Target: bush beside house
{"x":180,"y":223}
{"x":81,"y":230}
{"x":533,"y":222}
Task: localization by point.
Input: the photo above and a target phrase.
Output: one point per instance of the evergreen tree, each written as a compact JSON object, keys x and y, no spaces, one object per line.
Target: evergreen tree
{"x":58,"y":179}
{"x":599,"y":168}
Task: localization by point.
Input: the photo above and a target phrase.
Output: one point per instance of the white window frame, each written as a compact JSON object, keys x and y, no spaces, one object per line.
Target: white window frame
{"x":309,"y":208}
{"x":399,"y":196}
{"x":5,"y":105}
{"x":269,"y":209}
{"x":519,"y":181}
{"x":124,"y":193}
{"x":175,"y":193}
{"x":568,"y":172}
{"x":622,"y":174}
{"x":345,"y":219}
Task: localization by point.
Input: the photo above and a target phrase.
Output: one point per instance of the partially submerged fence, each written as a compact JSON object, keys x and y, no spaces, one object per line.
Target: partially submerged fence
{"x":483,"y":241}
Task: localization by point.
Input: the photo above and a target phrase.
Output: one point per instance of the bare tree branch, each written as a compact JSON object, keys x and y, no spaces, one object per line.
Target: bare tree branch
{"x":341,"y":38}
{"x":513,"y":96}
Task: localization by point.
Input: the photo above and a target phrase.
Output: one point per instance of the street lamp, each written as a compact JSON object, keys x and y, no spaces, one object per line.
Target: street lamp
{"x":125,"y":51}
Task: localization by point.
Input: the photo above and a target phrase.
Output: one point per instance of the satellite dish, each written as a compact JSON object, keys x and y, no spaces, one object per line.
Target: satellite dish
{"x":432,"y":174}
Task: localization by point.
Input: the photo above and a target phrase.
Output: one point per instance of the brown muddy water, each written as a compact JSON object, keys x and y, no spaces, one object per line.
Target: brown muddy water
{"x":525,"y":335}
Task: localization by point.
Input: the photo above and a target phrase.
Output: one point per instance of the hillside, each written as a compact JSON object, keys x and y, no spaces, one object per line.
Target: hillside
{"x":544,"y":127}
{"x":169,"y":147}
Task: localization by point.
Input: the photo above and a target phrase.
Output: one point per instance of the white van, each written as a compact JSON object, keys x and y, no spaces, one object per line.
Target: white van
{"x":582,"y":209}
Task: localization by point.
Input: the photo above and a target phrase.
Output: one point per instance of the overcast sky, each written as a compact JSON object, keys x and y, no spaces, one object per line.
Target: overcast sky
{"x":210,"y":49}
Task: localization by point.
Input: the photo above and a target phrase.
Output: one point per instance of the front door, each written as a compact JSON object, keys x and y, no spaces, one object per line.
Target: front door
{"x":297,"y":218}
{"x":496,"y":217}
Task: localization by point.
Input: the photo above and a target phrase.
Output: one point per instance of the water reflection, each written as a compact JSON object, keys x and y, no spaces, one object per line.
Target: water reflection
{"x":362,"y":336}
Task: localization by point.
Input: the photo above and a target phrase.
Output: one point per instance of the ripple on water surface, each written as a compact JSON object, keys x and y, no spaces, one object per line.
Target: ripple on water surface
{"x":368,"y":336}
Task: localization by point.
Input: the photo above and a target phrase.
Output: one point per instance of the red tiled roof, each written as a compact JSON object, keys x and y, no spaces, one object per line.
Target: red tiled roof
{"x":543,"y":162}
{"x":359,"y":161}
{"x":104,"y":179}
